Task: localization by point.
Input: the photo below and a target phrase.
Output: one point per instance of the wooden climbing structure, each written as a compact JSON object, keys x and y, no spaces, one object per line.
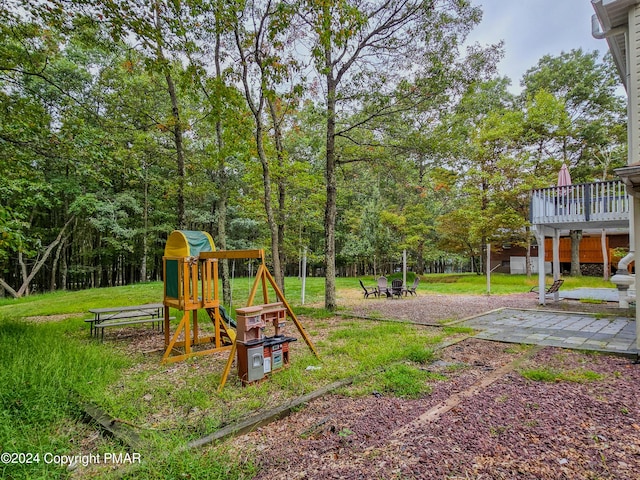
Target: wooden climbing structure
{"x":191,"y":284}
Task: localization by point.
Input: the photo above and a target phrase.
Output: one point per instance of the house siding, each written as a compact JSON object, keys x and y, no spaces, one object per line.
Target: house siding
{"x":590,"y":252}
{"x":633,"y":90}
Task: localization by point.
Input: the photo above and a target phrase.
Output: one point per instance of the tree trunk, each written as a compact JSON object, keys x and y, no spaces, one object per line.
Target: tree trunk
{"x":222,"y":243}
{"x":177,"y":124}
{"x":222,"y":189}
{"x":145,"y":246}
{"x":64,"y":271}
{"x":257,"y":111}
{"x":576,"y":237}
{"x":271,"y":220}
{"x":330,"y":302}
{"x":177,"y":139}
{"x":420,"y":260}
{"x":97,"y":277}
{"x":54,"y":266}
{"x":280,"y":182}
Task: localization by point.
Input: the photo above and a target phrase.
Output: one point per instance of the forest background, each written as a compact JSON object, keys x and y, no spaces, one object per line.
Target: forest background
{"x":349,"y":130}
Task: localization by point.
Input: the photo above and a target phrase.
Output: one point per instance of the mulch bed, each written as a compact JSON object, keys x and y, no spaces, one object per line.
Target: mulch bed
{"x":510,"y":428}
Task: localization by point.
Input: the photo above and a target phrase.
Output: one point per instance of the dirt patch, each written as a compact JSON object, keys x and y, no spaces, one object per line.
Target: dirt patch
{"x":52,"y":318}
{"x":511,"y":428}
{"x":433,"y":309}
{"x":137,"y":339}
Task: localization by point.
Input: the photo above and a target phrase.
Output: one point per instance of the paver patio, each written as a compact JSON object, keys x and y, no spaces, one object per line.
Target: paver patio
{"x":558,"y":329}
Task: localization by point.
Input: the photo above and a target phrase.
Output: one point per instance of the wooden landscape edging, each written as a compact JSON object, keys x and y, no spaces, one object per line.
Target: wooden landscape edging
{"x":112,"y":425}
{"x":454,"y":400}
{"x":284,"y":410}
{"x":265,"y":418}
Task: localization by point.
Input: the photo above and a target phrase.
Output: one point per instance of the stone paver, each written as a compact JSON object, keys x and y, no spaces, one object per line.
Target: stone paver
{"x":566,"y":330}
{"x":606,"y":294}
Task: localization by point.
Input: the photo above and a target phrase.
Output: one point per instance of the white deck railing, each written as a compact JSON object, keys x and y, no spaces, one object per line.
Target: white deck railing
{"x":584,"y":202}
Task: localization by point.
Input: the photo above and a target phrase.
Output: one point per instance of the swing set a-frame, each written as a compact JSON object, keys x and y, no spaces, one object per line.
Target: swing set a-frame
{"x":191,"y":284}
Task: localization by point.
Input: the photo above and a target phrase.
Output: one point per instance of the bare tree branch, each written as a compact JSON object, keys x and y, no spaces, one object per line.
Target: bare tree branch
{"x":27,"y":278}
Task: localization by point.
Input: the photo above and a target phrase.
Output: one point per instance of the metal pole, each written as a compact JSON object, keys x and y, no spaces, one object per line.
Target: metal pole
{"x":404,"y":269}
{"x":488,"y":269}
{"x":233,"y":276}
{"x":304,"y":274}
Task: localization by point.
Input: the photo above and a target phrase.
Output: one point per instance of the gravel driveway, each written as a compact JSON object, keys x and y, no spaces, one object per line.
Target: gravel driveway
{"x":435,"y":308}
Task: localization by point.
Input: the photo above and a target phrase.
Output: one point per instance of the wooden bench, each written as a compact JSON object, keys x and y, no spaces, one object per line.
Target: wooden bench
{"x":121,"y":316}
{"x":136,"y":321}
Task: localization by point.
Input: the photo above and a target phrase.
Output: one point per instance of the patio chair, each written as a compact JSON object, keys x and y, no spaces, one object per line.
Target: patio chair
{"x":396,"y":288}
{"x":555,"y":286}
{"x":383,"y":287}
{"x":369,"y":290}
{"x":412,"y":288}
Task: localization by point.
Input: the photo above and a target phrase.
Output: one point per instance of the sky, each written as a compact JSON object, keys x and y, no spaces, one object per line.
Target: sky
{"x":534,"y":28}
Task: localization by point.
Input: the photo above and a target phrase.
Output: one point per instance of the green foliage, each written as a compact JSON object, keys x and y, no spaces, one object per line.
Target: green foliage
{"x":578,"y":91}
{"x":13,"y":236}
{"x":435,"y":155}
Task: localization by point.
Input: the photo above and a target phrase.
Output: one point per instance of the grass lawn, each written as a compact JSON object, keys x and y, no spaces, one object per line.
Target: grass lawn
{"x":52,"y":368}
{"x":465,"y":283}
{"x":469,"y":283}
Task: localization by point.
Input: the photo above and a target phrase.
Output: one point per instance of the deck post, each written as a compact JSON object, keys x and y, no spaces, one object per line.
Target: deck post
{"x":556,"y":261}
{"x":540,"y":236}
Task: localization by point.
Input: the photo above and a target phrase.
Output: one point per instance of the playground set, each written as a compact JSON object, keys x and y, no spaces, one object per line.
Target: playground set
{"x":190,"y":264}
